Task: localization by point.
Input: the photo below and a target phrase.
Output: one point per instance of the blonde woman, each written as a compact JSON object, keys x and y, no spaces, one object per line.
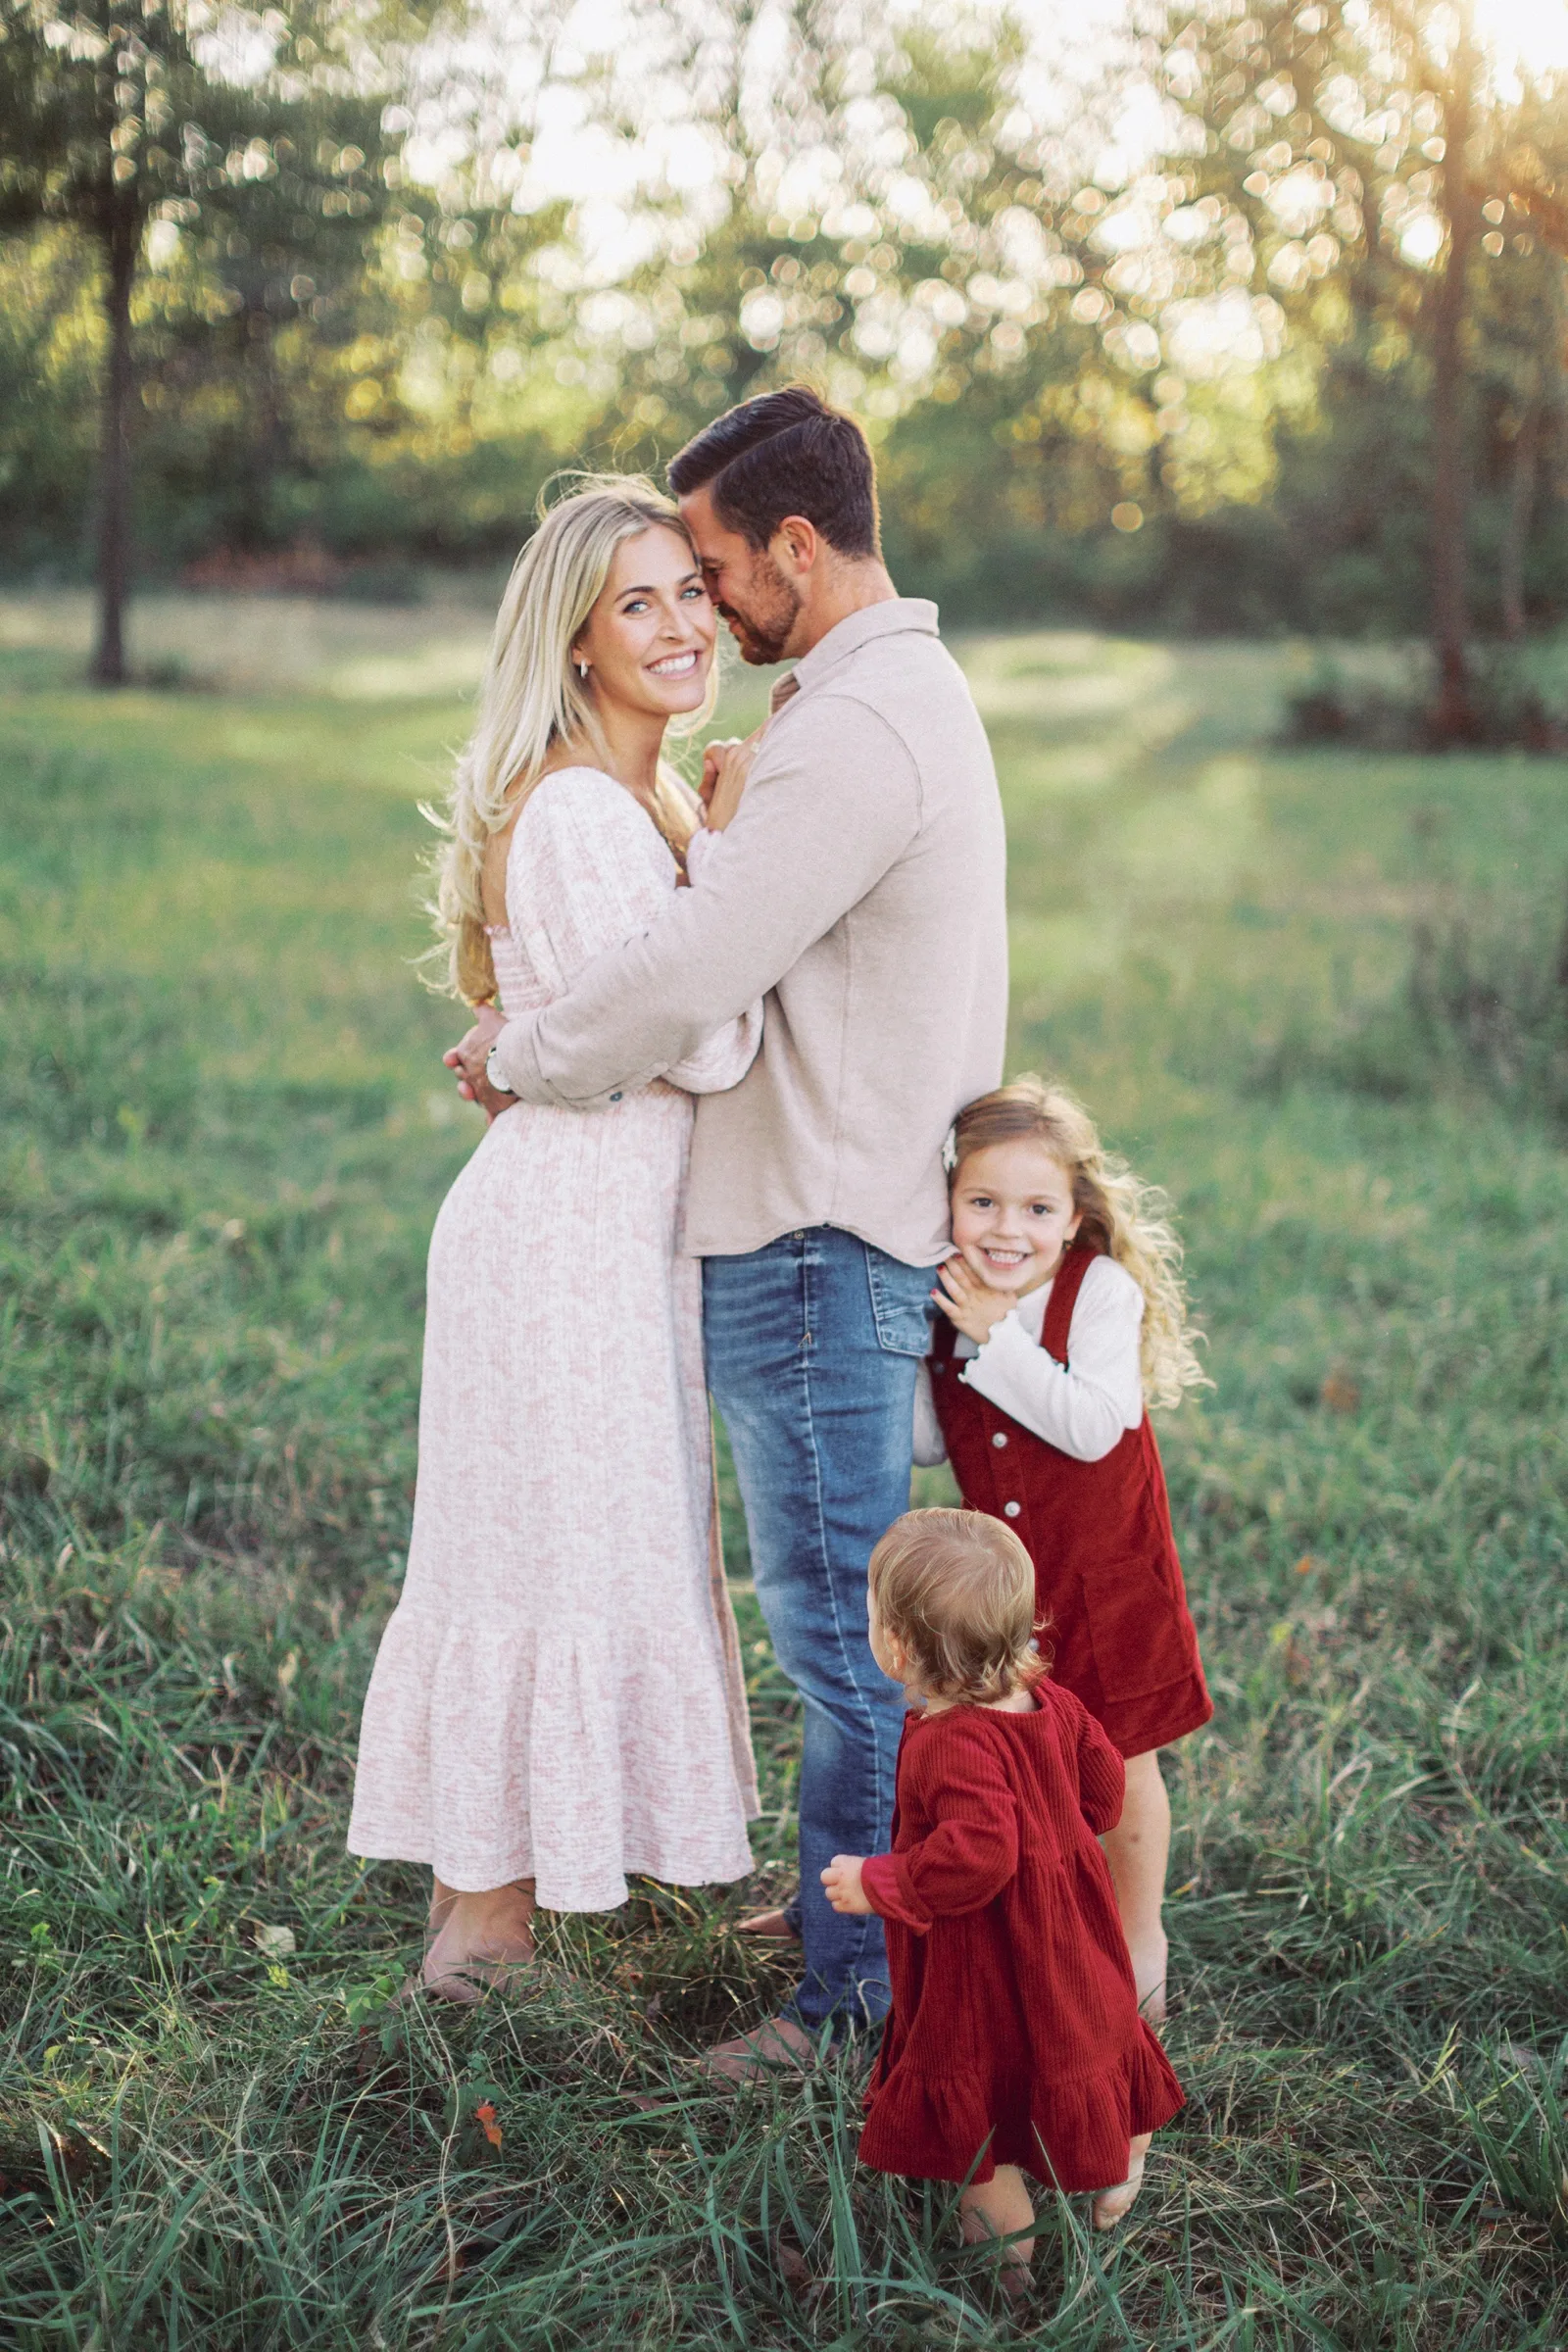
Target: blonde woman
{"x":558,"y":1702}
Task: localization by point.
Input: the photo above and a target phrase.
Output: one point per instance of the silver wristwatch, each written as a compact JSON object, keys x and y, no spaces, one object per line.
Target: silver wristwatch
{"x":491,"y":1073}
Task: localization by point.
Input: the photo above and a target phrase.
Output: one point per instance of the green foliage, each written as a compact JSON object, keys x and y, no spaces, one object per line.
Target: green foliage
{"x":1518,"y":701}
{"x":1519,"y":2120}
{"x":113,"y":116}
{"x":1348,"y":151}
{"x":226,"y":1135}
{"x":342,"y":368}
{"x":119,"y":122}
{"x":50,"y":348}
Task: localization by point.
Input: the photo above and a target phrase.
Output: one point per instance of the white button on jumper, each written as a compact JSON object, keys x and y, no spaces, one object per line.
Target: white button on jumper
{"x":1001,"y":1438}
{"x":1011,"y":1510}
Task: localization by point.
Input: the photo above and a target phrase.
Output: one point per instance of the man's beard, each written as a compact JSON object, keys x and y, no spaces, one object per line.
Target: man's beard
{"x":763,"y":629}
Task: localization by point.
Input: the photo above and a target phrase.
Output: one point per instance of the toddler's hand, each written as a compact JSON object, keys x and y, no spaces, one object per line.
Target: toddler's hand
{"x":842,"y":1880}
{"x":970,"y":1303}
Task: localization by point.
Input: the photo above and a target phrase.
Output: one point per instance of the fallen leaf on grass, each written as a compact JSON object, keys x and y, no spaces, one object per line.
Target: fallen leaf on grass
{"x":74,"y":2152}
{"x":793,"y":2268}
{"x":1339,"y":1394}
{"x":274,"y":1941}
{"x":485,"y":2115}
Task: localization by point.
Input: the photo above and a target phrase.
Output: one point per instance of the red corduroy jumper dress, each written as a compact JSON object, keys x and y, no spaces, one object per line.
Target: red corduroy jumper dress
{"x":1015,"y":2036}
{"x":1107,"y":1578}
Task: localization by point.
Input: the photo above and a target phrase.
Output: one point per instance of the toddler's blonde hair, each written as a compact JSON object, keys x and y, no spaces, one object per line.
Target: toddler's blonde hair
{"x":1121,"y":1217}
{"x":957,"y":1588}
{"x":533,"y":698}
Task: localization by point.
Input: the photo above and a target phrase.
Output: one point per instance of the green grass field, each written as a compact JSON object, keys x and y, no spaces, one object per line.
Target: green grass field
{"x":224,"y":1136}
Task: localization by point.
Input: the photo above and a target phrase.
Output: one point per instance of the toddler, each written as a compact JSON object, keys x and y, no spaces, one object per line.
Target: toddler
{"x":1013,"y":2045}
{"x":1062,"y":1316}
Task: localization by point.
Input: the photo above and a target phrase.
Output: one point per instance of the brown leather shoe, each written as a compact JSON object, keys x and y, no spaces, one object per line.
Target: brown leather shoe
{"x":769,"y":1927}
{"x":778,"y":2047}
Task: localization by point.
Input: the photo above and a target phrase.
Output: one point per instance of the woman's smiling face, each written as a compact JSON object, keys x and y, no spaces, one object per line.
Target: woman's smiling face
{"x":649,"y":639}
{"x":1012,"y":1215}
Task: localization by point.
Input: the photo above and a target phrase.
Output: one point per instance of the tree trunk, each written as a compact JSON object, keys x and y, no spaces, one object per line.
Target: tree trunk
{"x":1516,"y":531}
{"x":1454,"y":716}
{"x":1554,"y":384}
{"x":122,"y":236}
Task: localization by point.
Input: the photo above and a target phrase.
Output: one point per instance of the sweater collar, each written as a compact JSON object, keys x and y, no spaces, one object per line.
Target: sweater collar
{"x":895,"y":616}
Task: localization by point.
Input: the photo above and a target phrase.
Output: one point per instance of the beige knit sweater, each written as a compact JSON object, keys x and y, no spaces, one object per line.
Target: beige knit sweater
{"x":860,"y":887}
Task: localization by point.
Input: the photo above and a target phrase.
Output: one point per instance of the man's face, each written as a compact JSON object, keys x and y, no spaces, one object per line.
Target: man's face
{"x":753,"y":595}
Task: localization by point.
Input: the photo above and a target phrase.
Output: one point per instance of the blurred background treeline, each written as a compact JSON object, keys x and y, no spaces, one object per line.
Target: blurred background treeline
{"x":1198,"y":315}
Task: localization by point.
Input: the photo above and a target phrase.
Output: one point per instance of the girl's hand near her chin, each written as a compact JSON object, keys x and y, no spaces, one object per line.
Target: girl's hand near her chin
{"x":968,"y":1303}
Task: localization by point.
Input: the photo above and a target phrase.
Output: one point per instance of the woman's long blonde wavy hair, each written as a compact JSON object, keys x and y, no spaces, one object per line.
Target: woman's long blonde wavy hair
{"x":532,"y":699}
{"x":1121,"y":1217}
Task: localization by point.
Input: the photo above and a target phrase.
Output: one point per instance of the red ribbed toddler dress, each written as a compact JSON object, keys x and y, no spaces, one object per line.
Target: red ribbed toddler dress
{"x":1015,"y":2036}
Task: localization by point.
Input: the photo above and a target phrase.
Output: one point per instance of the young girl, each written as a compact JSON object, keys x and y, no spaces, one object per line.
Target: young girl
{"x":1014,"y":2042}
{"x":1064,"y":1315}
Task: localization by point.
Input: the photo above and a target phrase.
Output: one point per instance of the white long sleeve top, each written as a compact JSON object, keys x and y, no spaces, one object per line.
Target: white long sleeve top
{"x":1083,"y":1407}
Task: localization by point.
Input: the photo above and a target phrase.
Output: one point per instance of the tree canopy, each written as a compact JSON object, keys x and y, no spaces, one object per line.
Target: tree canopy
{"x":1247,"y":313}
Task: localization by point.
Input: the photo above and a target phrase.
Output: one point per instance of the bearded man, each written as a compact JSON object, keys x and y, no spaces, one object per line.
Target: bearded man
{"x":859,"y":887}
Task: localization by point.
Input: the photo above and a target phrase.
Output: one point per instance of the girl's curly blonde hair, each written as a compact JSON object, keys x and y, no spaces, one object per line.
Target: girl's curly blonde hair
{"x":1120,"y":1216}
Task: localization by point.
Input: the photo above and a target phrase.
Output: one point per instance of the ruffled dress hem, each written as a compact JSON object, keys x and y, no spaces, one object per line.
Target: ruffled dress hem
{"x":1073,"y":2136}
{"x":549,"y":1897}
{"x":562,"y":1806}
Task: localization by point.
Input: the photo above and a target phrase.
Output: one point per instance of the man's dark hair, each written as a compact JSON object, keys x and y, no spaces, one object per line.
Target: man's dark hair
{"x":785,"y":453}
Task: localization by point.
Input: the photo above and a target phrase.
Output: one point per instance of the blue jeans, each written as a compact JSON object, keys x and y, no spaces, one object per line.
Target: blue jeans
{"x":812,"y":1344}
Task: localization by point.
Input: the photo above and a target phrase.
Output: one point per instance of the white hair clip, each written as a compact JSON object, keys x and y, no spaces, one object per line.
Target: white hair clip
{"x":949,"y":1149}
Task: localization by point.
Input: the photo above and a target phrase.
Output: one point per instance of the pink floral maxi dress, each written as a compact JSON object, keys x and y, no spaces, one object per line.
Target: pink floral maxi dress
{"x":558,"y":1695}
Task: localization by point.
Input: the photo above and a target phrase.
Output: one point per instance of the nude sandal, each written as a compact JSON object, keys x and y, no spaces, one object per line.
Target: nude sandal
{"x":468,"y":1980}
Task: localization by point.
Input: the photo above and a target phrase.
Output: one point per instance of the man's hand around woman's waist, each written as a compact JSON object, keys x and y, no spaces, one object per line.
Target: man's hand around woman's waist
{"x":470,"y":1056}
{"x":726,"y":765}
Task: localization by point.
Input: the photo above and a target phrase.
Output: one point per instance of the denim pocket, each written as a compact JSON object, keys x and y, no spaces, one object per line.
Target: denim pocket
{"x":900,"y":1302}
